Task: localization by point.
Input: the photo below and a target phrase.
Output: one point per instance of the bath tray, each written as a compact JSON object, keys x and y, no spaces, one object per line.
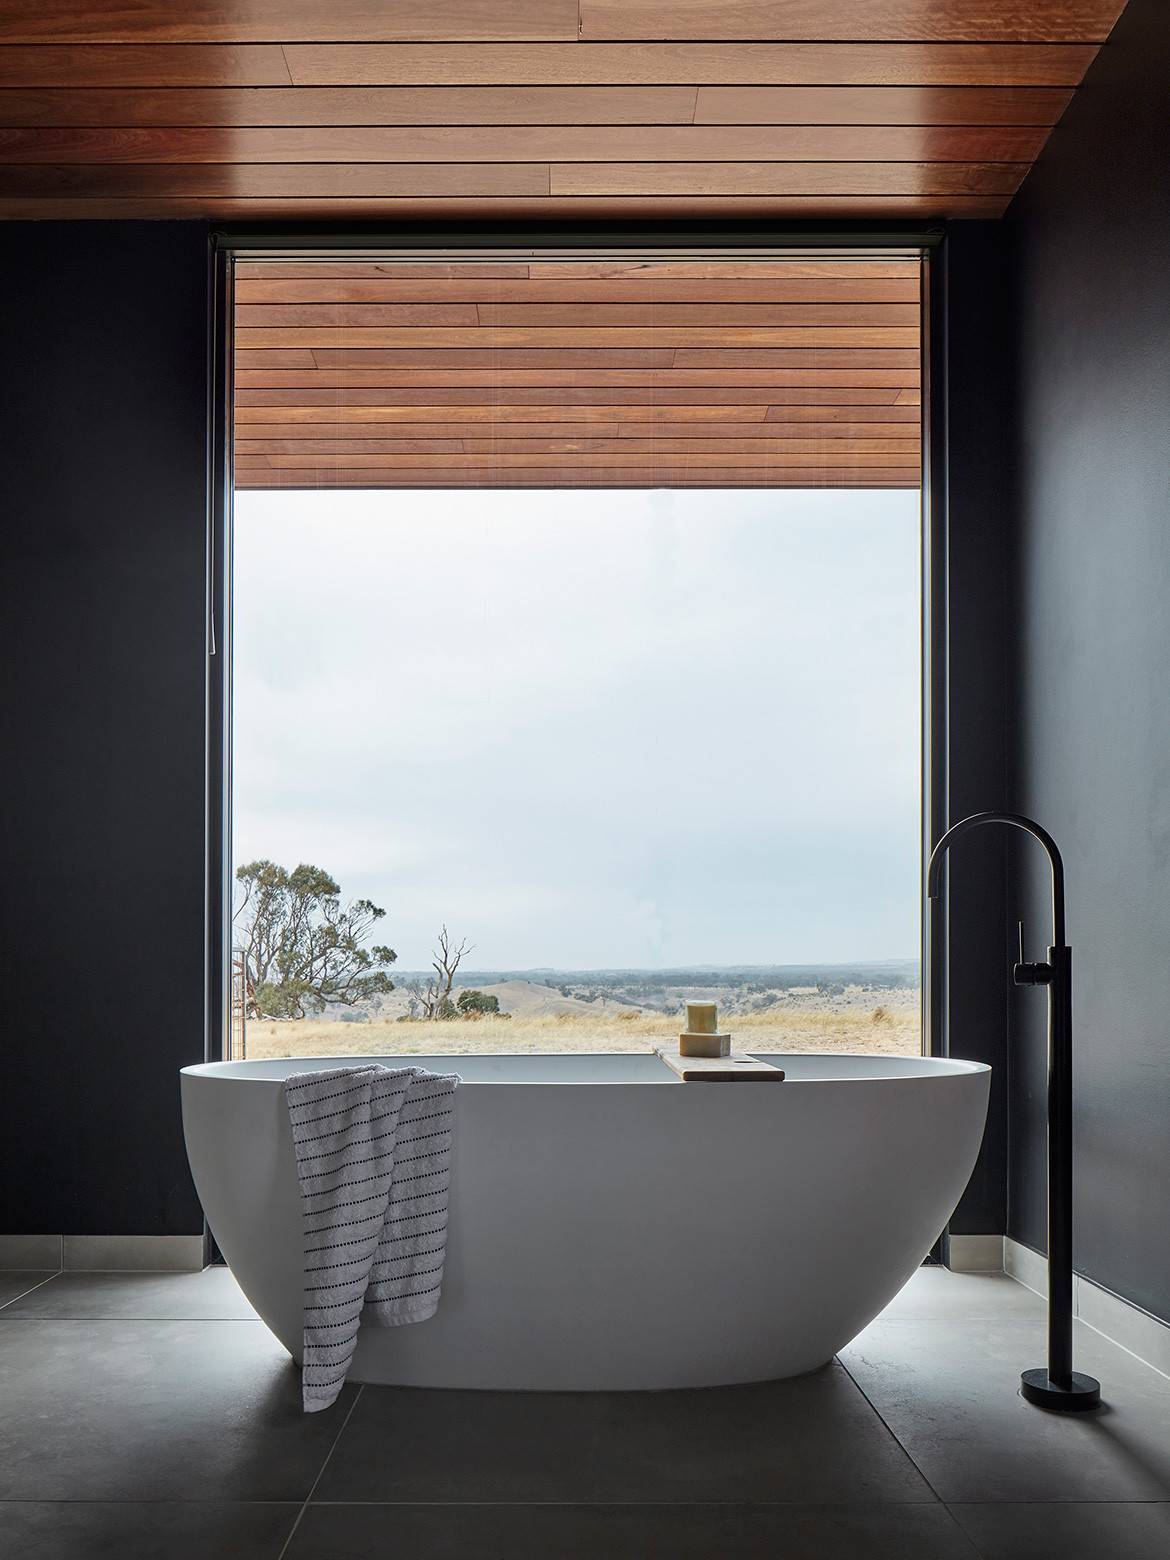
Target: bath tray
{"x":735,"y":1068}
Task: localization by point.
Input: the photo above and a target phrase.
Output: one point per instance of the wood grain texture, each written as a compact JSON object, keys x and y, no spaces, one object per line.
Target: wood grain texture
{"x":445,"y":388}
{"x":787,"y":179}
{"x":846,"y":450}
{"x":625,"y":315}
{"x":237,"y":107}
{"x":638,"y":418}
{"x":262,"y":21}
{"x":503,"y":65}
{"x":86,"y":66}
{"x":499,"y":378}
{"x":912,"y":144}
{"x":566,"y":477}
{"x":608,"y":269}
{"x":685,"y":64}
{"x":497,"y":338}
{"x":764,"y":289}
{"x":890,"y":365}
{"x":803,"y":456}
{"x":906,"y":105}
{"x":33,"y":205}
{"x":233,"y":108}
{"x":505,"y":433}
{"x":208,"y":183}
{"x":873,"y":20}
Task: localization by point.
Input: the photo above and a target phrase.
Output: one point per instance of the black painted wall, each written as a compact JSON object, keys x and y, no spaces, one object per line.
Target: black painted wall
{"x":103,"y":385}
{"x":1091,"y":704}
{"x":973,"y":417}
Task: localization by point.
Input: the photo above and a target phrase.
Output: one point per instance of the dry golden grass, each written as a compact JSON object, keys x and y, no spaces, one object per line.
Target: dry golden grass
{"x":886,"y":1031}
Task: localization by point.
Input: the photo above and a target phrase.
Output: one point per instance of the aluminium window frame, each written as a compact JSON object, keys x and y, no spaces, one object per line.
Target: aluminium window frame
{"x":924,"y":241}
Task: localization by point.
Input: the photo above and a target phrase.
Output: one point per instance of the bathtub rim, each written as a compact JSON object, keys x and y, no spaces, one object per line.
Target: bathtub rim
{"x":923,"y":1067}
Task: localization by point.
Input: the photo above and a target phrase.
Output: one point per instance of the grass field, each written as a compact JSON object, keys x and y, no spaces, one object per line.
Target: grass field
{"x":886,"y":1030}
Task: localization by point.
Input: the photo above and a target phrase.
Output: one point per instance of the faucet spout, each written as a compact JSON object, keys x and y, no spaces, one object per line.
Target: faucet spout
{"x":1015,"y":821}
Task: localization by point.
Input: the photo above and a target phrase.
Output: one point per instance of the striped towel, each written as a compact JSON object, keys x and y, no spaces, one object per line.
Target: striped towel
{"x":373,"y":1153}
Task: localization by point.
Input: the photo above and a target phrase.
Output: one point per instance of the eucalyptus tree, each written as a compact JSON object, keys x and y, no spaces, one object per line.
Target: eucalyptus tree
{"x":302,"y":947}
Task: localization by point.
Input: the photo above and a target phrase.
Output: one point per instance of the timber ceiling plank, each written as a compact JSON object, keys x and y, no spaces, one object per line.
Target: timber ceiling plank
{"x":264,"y":21}
{"x":904,"y":105}
{"x":21,"y":199}
{"x":367,"y":110}
{"x":665,"y":64}
{"x":863,"y":20}
{"x":527,"y":144}
{"x":86,"y":66}
{"x":236,"y":107}
{"x":808,"y":180}
{"x":915,"y":65}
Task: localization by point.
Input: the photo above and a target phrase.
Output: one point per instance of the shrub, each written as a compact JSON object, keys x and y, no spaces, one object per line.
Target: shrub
{"x":472,"y":1003}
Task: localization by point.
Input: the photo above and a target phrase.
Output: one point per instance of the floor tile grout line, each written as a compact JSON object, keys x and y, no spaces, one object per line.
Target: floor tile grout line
{"x":889,"y":1429}
{"x":320,"y":1473}
{"x":24,"y":1293}
{"x":688,"y":1505}
{"x":154,"y":1500}
{"x":113,"y":1320}
{"x":958,"y":1526}
{"x":982,"y":1553}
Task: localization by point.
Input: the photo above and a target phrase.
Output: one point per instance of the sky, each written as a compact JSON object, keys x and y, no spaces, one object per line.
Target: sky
{"x":638,"y":729}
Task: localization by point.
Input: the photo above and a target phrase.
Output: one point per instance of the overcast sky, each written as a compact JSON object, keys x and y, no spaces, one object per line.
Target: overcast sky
{"x":588,"y":730}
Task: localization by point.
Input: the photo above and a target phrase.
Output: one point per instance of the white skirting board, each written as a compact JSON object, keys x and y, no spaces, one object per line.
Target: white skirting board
{"x":1119,"y":1320}
{"x":976,"y":1254}
{"x":103,"y":1253}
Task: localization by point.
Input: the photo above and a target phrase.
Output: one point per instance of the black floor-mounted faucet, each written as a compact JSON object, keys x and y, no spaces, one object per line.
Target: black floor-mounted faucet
{"x":1059,"y":1387}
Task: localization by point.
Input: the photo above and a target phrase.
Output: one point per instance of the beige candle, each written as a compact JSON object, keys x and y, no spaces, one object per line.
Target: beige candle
{"x":701,"y":1018}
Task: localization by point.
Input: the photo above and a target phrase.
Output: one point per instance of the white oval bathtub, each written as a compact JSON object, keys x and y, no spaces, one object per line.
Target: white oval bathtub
{"x":612,"y":1227}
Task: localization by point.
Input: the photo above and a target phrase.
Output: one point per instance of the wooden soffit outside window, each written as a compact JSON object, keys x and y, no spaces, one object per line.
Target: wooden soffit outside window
{"x":792,"y":372}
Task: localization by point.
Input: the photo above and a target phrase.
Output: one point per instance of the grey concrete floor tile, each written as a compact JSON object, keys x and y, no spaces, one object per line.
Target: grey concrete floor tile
{"x":629,"y":1532}
{"x":155,"y":1411}
{"x":949,"y":1391}
{"x":154,"y":1530}
{"x":1083,"y":1530}
{"x":211,"y":1295}
{"x":811,"y":1439}
{"x":411,"y":1444}
{"x":936,"y":1295}
{"x":15,"y":1284}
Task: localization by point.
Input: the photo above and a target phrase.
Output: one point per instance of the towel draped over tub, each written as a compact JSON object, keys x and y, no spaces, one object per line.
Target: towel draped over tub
{"x":373,"y":1151}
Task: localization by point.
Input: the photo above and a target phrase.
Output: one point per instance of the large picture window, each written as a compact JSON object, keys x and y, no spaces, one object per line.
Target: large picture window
{"x":576,"y":656}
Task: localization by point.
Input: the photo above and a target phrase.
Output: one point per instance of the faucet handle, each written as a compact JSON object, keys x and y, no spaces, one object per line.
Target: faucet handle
{"x":1030,"y":974}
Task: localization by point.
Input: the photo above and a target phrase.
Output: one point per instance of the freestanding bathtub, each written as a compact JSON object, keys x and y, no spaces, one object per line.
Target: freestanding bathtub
{"x":614,"y":1228}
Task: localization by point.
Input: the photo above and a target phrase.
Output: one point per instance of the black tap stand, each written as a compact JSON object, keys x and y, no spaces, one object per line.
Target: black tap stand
{"x":1058,"y":1387}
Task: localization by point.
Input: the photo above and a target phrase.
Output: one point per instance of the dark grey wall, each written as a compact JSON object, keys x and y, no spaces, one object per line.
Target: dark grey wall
{"x":1091,"y":708}
{"x":974,"y":418}
{"x":103,"y":383}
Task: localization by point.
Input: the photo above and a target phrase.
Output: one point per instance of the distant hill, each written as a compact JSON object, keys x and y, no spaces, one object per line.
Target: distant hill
{"x":891,"y":973}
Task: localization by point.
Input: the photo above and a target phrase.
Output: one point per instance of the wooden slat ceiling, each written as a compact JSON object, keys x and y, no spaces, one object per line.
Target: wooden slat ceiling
{"x":794,"y":373}
{"x":375,"y":109}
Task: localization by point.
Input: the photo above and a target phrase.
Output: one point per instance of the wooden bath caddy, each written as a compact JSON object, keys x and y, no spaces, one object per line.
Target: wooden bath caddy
{"x":735,"y":1067}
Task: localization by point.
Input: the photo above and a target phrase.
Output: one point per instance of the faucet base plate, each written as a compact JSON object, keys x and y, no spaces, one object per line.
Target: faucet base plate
{"x":1083,"y":1394}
